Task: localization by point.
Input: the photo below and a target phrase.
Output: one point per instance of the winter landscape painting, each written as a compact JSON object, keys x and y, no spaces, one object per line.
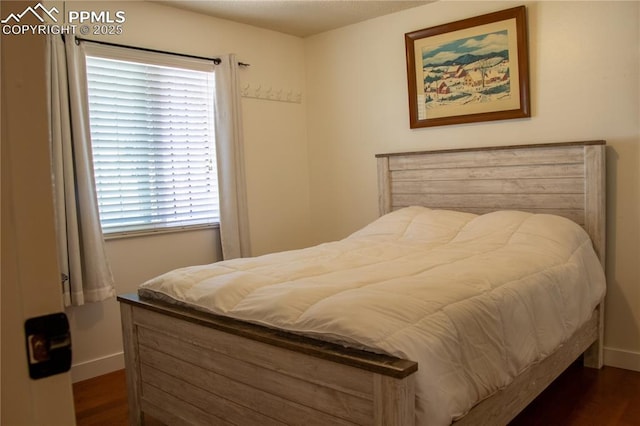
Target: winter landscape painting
{"x":470,"y":70}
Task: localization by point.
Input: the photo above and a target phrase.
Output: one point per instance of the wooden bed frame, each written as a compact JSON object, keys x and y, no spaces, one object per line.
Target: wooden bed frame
{"x":188,"y":367}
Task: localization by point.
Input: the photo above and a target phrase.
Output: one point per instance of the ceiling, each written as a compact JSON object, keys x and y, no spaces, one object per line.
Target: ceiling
{"x":300,"y":18}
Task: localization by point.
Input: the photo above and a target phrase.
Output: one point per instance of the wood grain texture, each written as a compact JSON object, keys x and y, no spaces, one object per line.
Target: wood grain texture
{"x":384,"y":186}
{"x":394,"y":400}
{"x":595,"y":225}
{"x":562,"y":179}
{"x":132,"y":364}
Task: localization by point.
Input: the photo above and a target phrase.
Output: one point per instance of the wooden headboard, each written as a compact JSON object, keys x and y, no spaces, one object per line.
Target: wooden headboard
{"x":566,"y":179}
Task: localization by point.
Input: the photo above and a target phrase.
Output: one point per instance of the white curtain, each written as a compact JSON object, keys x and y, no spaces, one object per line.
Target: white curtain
{"x":234,"y":220}
{"x":83,"y":261}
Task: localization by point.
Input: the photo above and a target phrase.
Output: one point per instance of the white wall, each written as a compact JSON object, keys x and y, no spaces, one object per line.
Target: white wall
{"x":275,"y":153}
{"x":584,"y":60}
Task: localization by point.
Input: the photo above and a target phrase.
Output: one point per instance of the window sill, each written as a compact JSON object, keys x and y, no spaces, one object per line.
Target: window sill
{"x":148,"y":232}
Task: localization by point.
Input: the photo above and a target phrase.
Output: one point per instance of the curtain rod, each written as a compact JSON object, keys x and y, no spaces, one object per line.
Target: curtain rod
{"x":216,"y":61}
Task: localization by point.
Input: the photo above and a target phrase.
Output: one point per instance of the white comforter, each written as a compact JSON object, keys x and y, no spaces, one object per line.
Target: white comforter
{"x":473,"y":299}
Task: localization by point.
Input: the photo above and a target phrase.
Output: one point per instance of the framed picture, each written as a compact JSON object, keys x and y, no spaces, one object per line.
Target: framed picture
{"x":472,"y":70}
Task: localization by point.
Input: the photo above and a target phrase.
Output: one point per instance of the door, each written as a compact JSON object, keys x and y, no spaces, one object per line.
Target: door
{"x":30,"y":283}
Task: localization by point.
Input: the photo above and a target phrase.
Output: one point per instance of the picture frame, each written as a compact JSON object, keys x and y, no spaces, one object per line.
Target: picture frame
{"x":471,"y":70}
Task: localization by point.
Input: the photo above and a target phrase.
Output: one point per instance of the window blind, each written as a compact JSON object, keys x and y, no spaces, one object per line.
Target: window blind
{"x":152,"y":132}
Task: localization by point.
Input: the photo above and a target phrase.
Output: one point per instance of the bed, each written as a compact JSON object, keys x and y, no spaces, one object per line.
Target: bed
{"x":189,"y":366}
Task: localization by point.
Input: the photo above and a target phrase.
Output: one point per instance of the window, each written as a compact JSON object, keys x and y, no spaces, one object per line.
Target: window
{"x":152,"y":132}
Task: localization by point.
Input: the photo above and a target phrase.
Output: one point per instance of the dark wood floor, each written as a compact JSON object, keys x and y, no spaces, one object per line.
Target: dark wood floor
{"x":579,"y":397}
{"x":587,"y":397}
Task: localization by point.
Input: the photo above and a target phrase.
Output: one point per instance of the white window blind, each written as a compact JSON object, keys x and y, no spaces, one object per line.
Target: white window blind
{"x":152,"y":134}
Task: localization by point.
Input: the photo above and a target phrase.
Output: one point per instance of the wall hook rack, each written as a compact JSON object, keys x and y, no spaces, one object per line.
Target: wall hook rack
{"x":270,"y":94}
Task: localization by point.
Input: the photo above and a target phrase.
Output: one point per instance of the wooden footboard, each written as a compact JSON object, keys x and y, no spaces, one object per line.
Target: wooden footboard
{"x":193,"y":368}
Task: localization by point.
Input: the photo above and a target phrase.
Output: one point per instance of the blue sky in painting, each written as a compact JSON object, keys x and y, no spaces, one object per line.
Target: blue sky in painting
{"x":477,"y":45}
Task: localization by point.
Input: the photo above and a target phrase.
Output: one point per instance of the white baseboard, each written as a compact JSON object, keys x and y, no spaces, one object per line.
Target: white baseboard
{"x":622,"y":359}
{"x":97,"y":367}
